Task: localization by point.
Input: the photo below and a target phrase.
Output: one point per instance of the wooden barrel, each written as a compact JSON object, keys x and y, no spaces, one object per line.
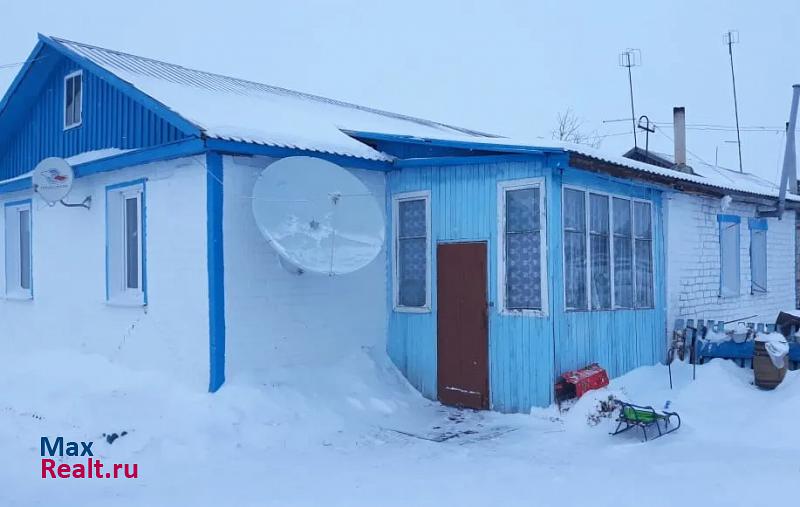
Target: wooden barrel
{"x":766,"y":375}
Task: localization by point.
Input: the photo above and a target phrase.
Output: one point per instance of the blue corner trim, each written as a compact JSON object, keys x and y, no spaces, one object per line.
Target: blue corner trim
{"x":441,"y":161}
{"x":242,"y":148}
{"x":736,"y":219}
{"x":758,"y":224}
{"x":216,"y":271}
{"x":177,"y":120}
{"x":143,"y":225}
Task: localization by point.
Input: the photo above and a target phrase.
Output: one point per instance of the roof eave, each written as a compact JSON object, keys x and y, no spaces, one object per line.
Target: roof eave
{"x":588,"y":163}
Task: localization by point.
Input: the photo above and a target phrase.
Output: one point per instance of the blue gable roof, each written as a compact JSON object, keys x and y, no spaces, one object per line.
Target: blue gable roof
{"x":114,"y":114}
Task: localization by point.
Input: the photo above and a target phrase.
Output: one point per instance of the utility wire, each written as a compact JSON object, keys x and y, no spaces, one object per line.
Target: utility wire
{"x":18,"y":64}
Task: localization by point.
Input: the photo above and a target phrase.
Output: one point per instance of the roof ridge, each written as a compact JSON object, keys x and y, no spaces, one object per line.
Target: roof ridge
{"x":280,"y":89}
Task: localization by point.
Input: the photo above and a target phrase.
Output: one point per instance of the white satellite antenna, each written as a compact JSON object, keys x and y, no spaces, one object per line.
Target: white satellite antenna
{"x":52,"y":180}
{"x":319,"y":217}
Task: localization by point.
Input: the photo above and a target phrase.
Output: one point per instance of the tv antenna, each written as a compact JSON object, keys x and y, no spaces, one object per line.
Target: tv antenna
{"x":731,"y":37}
{"x":649,"y":128}
{"x":631,"y":58}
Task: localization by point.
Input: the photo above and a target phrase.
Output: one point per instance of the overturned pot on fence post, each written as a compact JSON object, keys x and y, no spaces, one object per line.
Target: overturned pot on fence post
{"x":769,"y":360}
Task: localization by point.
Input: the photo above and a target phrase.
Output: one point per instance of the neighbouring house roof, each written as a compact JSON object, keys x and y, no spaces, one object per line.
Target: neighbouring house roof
{"x":238,"y":110}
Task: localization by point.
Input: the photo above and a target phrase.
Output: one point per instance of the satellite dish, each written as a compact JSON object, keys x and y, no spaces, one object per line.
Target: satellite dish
{"x":52,"y":179}
{"x":319,"y":217}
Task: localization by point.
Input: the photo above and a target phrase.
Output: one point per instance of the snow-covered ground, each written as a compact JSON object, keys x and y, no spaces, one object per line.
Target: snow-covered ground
{"x":357,"y":435}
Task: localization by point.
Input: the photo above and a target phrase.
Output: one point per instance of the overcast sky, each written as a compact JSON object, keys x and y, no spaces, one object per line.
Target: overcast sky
{"x":502,"y":66}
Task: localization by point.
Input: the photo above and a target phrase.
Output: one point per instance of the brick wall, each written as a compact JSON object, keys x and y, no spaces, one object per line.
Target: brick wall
{"x":693,"y":262}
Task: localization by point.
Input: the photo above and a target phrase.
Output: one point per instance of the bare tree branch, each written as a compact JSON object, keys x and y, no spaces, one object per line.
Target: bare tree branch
{"x":570,"y":129}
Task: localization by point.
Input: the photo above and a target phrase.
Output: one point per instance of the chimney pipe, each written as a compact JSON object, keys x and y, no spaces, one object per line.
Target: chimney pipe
{"x":789,"y":174}
{"x":679,"y":124}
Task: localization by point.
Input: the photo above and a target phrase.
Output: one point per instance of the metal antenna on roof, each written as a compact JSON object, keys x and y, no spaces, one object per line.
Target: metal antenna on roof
{"x":631,"y":58}
{"x":731,"y":37}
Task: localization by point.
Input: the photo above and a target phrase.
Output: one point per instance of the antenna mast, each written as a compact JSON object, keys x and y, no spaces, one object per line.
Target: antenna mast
{"x":631,"y":58}
{"x":731,"y":37}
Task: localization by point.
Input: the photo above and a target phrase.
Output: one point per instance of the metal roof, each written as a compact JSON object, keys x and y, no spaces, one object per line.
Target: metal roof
{"x":236,"y":109}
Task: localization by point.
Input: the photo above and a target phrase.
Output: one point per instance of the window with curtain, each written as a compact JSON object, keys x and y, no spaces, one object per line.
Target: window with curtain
{"x":729,"y":280}
{"x":574,"y":211}
{"x":623,"y":253}
{"x":643,"y":253}
{"x":523,"y":248}
{"x":612,"y":255}
{"x":411,"y":256}
{"x":758,"y":255}
{"x":600,"y":251}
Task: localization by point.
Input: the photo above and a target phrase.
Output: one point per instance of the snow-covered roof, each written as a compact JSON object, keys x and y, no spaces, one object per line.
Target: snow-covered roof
{"x":239,"y":110}
{"x":704,"y":175}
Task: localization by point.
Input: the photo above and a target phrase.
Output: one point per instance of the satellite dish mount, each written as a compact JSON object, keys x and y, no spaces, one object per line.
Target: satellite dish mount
{"x":52,"y":181}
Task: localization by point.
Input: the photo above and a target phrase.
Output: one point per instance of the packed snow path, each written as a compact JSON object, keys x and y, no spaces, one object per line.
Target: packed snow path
{"x":357,"y":435}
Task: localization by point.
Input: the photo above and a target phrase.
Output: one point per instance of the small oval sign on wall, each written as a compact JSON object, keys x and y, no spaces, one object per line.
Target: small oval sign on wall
{"x":52,"y":179}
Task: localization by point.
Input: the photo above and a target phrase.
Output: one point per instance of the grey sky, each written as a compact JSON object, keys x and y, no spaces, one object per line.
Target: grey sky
{"x":503,"y":66}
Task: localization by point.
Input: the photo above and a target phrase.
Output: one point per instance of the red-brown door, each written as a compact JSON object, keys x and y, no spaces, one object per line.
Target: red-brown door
{"x":462,"y":323}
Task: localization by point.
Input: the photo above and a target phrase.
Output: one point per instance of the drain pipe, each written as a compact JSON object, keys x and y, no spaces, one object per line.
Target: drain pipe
{"x":789,"y":174}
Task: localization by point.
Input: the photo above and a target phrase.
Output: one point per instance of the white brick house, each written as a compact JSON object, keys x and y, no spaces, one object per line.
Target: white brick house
{"x":693,"y":262}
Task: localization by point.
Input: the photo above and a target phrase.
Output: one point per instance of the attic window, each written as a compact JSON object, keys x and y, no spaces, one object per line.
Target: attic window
{"x":73,"y":99}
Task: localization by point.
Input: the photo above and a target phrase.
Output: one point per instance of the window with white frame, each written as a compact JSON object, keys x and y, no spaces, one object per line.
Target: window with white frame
{"x":125,"y":228}
{"x":73,"y":99}
{"x":758,"y":255}
{"x":729,"y":280}
{"x":18,"y":252}
{"x":412,"y":251}
{"x":608,"y":251}
{"x":522,"y":277}
{"x":574,"y":206}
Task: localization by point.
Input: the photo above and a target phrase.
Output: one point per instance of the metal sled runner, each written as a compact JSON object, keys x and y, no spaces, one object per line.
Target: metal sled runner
{"x":631,"y":416}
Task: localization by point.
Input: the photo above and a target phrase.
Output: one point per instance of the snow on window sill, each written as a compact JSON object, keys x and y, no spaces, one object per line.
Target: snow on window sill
{"x":126,"y":301}
{"x":412,"y":309}
{"x":522,"y":313}
{"x":19,"y":296}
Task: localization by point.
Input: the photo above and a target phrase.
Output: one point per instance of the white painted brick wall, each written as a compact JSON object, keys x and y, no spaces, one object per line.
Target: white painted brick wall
{"x":693,"y":262}
{"x":276,"y":320}
{"x":69,"y":310}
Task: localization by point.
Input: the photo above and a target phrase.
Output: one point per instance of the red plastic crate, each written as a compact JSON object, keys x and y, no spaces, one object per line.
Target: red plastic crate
{"x":583,"y":380}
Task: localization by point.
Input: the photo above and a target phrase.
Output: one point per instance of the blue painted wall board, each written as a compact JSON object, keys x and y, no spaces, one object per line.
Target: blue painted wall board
{"x":526,"y":353}
{"x":216,"y":271}
{"x":110,"y":119}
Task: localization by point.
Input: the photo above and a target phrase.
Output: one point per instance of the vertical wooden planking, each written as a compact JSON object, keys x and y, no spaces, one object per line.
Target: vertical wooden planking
{"x":110,"y":119}
{"x":464,"y":208}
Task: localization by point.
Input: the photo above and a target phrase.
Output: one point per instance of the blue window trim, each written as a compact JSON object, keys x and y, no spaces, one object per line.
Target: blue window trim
{"x":143,"y":224}
{"x":216,"y":270}
{"x":29,"y":203}
{"x":735,"y":219}
{"x":757,"y":224}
